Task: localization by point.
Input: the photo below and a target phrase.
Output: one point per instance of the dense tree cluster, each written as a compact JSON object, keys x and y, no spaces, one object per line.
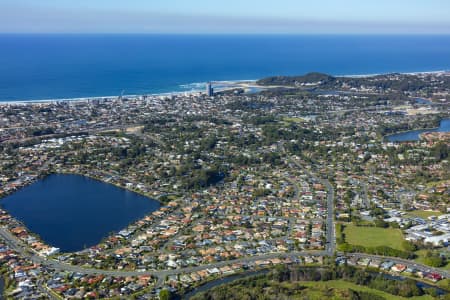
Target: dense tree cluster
{"x":286,"y":283}
{"x":395,"y":82}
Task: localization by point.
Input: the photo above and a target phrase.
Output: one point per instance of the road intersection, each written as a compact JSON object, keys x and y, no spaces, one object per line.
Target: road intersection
{"x":330,"y":250}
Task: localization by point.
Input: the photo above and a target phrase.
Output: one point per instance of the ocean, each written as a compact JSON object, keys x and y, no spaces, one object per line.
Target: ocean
{"x":35,"y":67}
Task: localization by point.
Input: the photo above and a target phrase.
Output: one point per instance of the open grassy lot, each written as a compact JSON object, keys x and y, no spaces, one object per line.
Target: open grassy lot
{"x":293,"y":120}
{"x":424,"y":213}
{"x":373,"y":236}
{"x":344,"y":285}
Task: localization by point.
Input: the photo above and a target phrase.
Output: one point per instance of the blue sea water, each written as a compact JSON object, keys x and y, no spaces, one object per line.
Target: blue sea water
{"x":70,"y":66}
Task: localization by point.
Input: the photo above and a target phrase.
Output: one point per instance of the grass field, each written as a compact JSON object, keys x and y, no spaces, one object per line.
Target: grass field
{"x":444,"y":284}
{"x":424,"y":213}
{"x":344,"y":285}
{"x":373,"y":236}
{"x":293,"y":120}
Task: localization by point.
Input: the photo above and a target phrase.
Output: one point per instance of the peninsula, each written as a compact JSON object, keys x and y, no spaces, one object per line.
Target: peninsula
{"x":296,"y":173}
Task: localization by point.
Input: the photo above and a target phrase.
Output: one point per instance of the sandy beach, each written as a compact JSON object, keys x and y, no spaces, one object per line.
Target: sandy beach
{"x":219,"y":86}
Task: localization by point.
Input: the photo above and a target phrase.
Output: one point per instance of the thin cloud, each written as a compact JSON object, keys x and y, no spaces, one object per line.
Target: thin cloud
{"x":14,"y":19}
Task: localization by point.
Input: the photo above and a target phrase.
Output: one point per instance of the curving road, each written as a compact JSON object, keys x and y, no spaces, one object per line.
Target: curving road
{"x":330,"y":249}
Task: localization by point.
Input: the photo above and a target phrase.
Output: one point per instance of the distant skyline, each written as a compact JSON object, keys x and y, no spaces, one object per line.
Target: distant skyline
{"x":226,"y":17}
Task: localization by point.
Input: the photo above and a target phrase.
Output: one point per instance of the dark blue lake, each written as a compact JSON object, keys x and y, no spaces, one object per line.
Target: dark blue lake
{"x":72,"y":212}
{"x":413,"y":135}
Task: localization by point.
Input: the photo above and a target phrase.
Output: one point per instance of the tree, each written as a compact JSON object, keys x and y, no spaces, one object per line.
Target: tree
{"x":440,"y":151}
{"x":434,"y":260}
{"x":408,"y":246}
{"x":165,"y":295}
{"x":380,"y":223}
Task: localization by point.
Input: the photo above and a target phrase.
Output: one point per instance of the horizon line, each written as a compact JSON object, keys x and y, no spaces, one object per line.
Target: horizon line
{"x":233,"y":33}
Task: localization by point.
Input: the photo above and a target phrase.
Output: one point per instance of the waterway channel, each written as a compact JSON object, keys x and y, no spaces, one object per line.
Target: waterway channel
{"x":414,"y":135}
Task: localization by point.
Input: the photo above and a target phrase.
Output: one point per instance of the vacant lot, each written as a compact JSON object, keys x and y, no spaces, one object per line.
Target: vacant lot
{"x":373,"y":236}
{"x":424,"y":213}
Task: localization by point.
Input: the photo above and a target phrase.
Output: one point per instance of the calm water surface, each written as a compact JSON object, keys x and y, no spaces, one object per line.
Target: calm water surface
{"x":72,"y":212}
{"x":68,"y":66}
{"x":414,"y":135}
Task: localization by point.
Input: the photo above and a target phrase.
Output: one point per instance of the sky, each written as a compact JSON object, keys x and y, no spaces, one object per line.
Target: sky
{"x":226,"y":16}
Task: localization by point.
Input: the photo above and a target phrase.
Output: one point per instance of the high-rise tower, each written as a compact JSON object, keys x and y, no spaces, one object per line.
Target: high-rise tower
{"x":209,"y":89}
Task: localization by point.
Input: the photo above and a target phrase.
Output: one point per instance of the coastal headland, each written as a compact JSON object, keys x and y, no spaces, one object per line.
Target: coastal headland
{"x":275,"y":176}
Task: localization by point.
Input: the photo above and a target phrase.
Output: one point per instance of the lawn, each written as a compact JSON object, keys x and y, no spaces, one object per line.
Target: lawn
{"x":344,"y":285}
{"x":424,"y":213}
{"x":373,"y":236}
{"x":293,"y":120}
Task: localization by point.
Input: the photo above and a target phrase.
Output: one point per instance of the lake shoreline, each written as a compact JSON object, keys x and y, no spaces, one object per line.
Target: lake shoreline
{"x":419,"y":131}
{"x":98,"y":199}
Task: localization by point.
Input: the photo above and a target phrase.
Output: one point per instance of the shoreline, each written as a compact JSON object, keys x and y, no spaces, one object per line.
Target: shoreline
{"x":91,"y":177}
{"x":232,"y":84}
{"x":224,"y":86}
{"x":406,"y":131}
{"x":402,"y":73}
{"x":424,"y":130}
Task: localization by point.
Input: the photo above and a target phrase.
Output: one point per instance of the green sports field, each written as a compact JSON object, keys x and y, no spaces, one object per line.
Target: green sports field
{"x":373,"y":236}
